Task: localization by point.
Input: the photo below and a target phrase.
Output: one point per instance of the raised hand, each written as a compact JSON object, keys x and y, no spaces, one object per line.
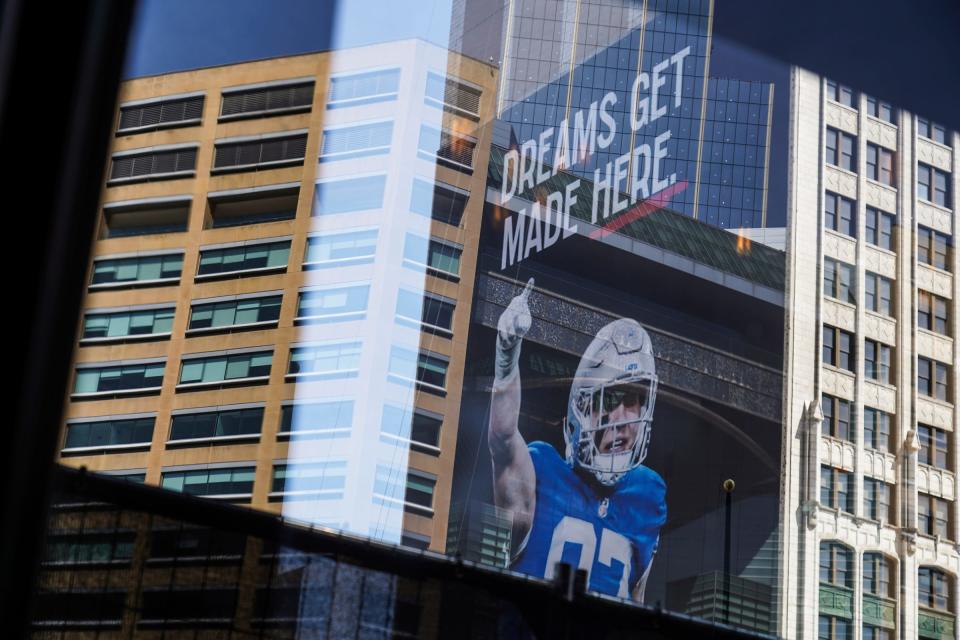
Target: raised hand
{"x":513,"y":325}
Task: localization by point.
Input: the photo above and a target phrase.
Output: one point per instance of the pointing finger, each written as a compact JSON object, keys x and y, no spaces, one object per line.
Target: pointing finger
{"x":525,"y":294}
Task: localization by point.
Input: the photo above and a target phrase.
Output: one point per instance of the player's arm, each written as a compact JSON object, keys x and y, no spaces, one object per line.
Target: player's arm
{"x":638,"y":590}
{"x":514,"y":479}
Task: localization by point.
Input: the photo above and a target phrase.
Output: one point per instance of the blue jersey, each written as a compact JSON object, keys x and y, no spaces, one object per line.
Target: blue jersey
{"x":613,"y":535}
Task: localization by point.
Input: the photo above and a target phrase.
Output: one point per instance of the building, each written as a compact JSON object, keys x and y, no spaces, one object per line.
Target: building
{"x":273,"y":318}
{"x":871,"y":450}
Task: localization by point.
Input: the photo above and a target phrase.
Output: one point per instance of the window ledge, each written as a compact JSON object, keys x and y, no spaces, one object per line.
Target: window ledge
{"x":446,"y":106}
{"x":322,"y":375}
{"x":250,"y":326}
{"x":433,"y":271}
{"x":107,"y":448}
{"x":191,"y":386}
{"x":275,"y":164}
{"x":413,"y":444}
{"x":423,"y":326}
{"x":841,"y":170}
{"x":173,"y":175}
{"x":340,"y":262}
{"x":134,"y":283}
{"x":444,"y":162}
{"x":307,"y":434}
{"x":213,"y":440}
{"x":407,"y":506}
{"x":880,"y":316}
{"x":223,"y":275}
{"x":877,"y":183}
{"x":423,"y":386}
{"x":157,"y":127}
{"x":110,"y":394}
{"x":938,"y":207}
{"x":265,"y":113}
{"x":352,"y":102}
{"x":331,"y":317}
{"x":145,"y":337}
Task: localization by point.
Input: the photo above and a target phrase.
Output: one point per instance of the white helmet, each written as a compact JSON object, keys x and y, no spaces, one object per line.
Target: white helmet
{"x":616,"y":369}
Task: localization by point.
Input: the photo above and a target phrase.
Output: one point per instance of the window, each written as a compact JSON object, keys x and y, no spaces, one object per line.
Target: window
{"x":440,"y":201}
{"x":933,"y":516}
{"x":276,"y":98}
{"x":324,"y":480}
{"x":363,"y":88}
{"x":122,"y":378}
{"x":836,"y":489}
{"x":170,"y":111}
{"x":227,"y":483}
{"x":877,"y":570}
{"x":418,"y":426}
{"x":876,"y":429}
{"x":841,"y":149}
{"x":259,"y":256}
{"x":838,"y":279}
{"x":352,"y":194}
{"x":262,"y":152}
{"x":877,"y":361}
{"x":933,"y":185}
{"x":933,"y":248}
{"x":356,"y":141}
{"x":879,"y":228}
{"x":115,"y":547}
{"x":328,"y":419}
{"x":881,"y":110}
{"x":836,"y":418}
{"x":340,"y":360}
{"x":880,"y":165}
{"x":877,"y":503}
{"x":127,"y":324}
{"x":447,"y":148}
{"x":934,"y":589}
{"x":413,"y":489}
{"x":439,"y":258}
{"x":341,"y":249}
{"x":210,"y":606}
{"x":80,"y":609}
{"x":932,"y":131}
{"x":258,"y":205}
{"x":415,"y":541}
{"x":334,"y":304}
{"x":838,"y":348}
{"x":108,"y":433}
{"x":840,"y":214}
{"x":222,"y":423}
{"x":237,"y":312}
{"x":146,"y":216}
{"x":137,"y":270}
{"x":933,"y":379}
{"x":158,"y":163}
{"x":834,"y":628}
{"x":878,"y":293}
{"x":839,"y":93}
{"x":836,"y":564}
{"x":226,"y":368}
{"x":453,"y":96}
{"x":932,"y":312}
{"x":934,"y":446}
{"x":429,"y":371}
{"x":183,"y":544}
{"x":425,"y":310}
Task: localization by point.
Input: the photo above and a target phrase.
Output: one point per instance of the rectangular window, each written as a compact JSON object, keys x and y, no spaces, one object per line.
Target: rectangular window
{"x":447,"y":148}
{"x":933,"y":379}
{"x":260,"y":256}
{"x":877,"y":504}
{"x":159,"y":164}
{"x":336,"y":304}
{"x":234,"y":313}
{"x":877,"y":361}
{"x":880,"y":164}
{"x":836,"y":488}
{"x":933,"y":185}
{"x":341,"y":249}
{"x":933,"y":248}
{"x":128,"y":324}
{"x":879,"y":228}
{"x":324,"y":480}
{"x":932,"y":131}
{"x":346,"y":196}
{"x":415,"y":425}
{"x":330,"y":419}
{"x":839,"y":93}
{"x":339,"y":360}
{"x":438,"y":257}
{"x":840,"y":214}
{"x":933,"y":516}
{"x":267,"y":205}
{"x":439,"y":201}
{"x":876,"y":575}
{"x":934,"y":446}
{"x":878,"y":293}
{"x":838,"y":280}
{"x":147,"y":216}
{"x":932,"y":312}
{"x":264,"y":152}
{"x":110,"y":433}
{"x":209,"y":425}
{"x":838,"y":348}
{"x":427,"y":370}
{"x":424,"y":309}
{"x":124,"y":378}
{"x":363,"y":88}
{"x":841,"y":149}
{"x":91,"y":548}
{"x":934,"y":588}
{"x":450,"y":95}
{"x":162,"y":113}
{"x":836,"y":418}
{"x":881,"y":110}
{"x":356,"y":141}
{"x":279,"y":98}
{"x":229,"y":484}
{"x":139,"y":270}
{"x":876,"y":429}
{"x":227,"y":368}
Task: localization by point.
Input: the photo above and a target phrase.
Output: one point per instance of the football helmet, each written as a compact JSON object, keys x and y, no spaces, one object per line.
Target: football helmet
{"x":610,"y":409}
